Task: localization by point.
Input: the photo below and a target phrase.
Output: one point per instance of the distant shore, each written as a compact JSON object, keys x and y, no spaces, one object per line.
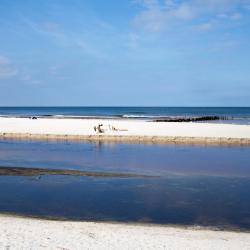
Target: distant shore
{"x":19,"y":233}
{"x":124,"y":131}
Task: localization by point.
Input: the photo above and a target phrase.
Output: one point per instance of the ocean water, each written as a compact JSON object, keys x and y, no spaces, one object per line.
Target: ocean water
{"x":168,"y":184}
{"x":232,"y":114}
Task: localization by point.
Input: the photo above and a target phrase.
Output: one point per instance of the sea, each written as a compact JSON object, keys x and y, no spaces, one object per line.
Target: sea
{"x":238,"y":115}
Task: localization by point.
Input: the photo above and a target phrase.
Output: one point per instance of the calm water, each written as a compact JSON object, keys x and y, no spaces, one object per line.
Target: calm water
{"x":233,"y":114}
{"x":191,"y":185}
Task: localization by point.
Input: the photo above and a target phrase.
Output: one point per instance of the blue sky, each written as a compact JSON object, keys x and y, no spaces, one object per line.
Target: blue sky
{"x":126,"y":52}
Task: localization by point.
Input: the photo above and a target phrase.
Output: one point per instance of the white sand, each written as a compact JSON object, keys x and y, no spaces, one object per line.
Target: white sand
{"x":131,"y":128}
{"x":25,"y":233}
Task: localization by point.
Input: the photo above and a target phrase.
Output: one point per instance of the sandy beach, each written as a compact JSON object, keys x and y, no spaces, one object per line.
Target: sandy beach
{"x":122,"y":130}
{"x":26,"y":233}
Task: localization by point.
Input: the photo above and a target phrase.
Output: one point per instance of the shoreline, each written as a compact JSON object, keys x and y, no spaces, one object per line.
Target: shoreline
{"x":124,"y":131}
{"x":195,"y":227}
{"x":18,"y":233}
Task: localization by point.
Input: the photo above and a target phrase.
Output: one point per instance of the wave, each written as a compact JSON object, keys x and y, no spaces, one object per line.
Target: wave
{"x":154,"y":117}
{"x":137,"y":112}
{"x":84,"y":116}
{"x":144,"y":116}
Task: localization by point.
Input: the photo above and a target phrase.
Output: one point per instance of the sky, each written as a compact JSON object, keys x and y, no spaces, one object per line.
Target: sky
{"x":125,"y":53}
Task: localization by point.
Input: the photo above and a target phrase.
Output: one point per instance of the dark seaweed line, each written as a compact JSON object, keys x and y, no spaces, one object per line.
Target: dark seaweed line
{"x":22,"y":171}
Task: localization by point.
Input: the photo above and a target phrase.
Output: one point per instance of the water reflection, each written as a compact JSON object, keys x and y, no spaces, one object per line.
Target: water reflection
{"x":163,"y":159}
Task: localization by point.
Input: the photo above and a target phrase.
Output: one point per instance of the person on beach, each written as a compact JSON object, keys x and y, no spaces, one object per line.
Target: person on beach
{"x":98,"y":128}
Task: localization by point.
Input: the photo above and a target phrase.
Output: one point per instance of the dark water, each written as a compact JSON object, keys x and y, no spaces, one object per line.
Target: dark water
{"x":191,"y":185}
{"x":232,"y":114}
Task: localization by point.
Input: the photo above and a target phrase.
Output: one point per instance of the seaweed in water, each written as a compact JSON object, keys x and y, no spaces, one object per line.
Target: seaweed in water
{"x":22,"y":171}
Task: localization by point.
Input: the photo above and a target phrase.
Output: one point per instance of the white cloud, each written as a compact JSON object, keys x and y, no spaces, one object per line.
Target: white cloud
{"x":169,"y":4}
{"x":25,"y":77}
{"x":90,"y":49}
{"x":204,"y":26}
{"x":58,"y":71}
{"x":7,"y":70}
{"x":158,"y":15}
{"x":184,"y":12}
{"x":4,"y":60}
{"x":236,"y":16}
{"x":36,"y":82}
{"x":65,"y":38}
{"x":132,"y":40}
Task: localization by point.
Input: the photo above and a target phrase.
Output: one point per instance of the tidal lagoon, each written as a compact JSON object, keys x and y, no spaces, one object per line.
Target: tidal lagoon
{"x":122,"y":182}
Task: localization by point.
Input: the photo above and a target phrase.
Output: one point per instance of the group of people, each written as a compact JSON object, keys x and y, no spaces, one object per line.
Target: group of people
{"x":99,"y":128}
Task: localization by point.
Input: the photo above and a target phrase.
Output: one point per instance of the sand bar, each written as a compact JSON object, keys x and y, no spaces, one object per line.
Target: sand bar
{"x":27,"y":233}
{"x":124,"y":130}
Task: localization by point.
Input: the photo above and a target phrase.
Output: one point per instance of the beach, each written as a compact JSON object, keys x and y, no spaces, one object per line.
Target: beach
{"x":124,"y":130}
{"x":156,"y":190}
{"x":29,"y":233}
